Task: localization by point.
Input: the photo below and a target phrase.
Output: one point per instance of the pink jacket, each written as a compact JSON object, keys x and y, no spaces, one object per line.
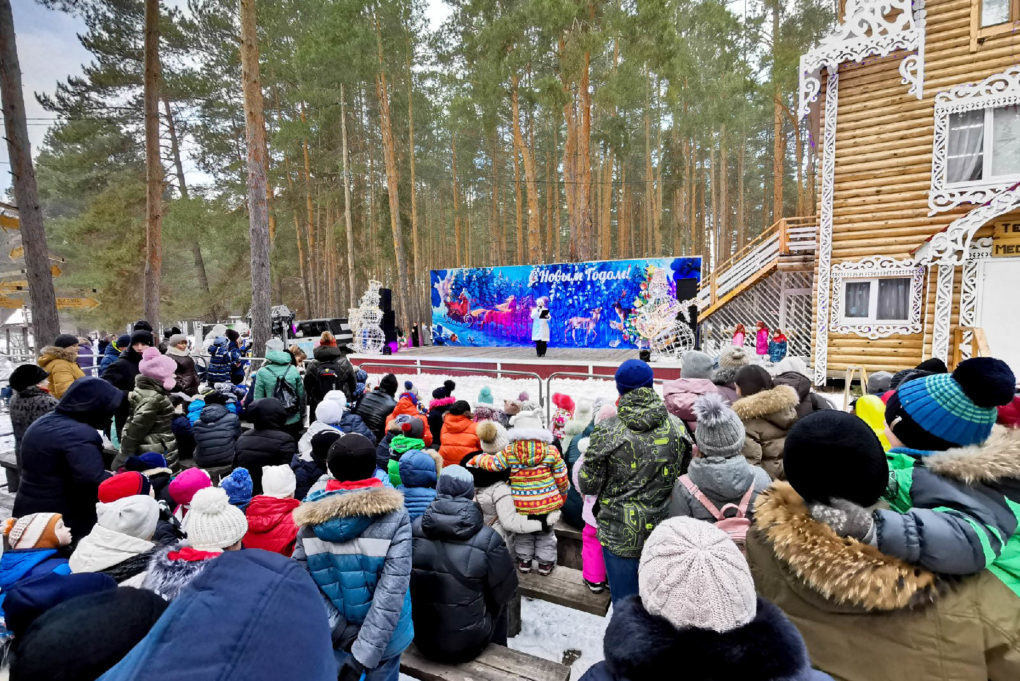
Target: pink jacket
{"x":589,"y":499}
{"x":761,"y":342}
{"x":680,"y":395}
{"x":738,"y":339}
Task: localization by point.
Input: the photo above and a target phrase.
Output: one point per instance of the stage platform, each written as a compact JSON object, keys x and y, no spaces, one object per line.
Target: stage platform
{"x":466,"y":360}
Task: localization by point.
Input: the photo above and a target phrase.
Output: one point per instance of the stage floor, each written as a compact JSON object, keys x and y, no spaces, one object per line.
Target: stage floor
{"x":600,"y":362}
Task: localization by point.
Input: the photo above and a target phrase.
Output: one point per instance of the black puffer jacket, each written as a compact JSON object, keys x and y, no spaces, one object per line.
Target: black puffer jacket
{"x":215,"y":433}
{"x":26,"y":408}
{"x":373,"y":409}
{"x":462,"y":577}
{"x":266,"y":444}
{"x":330,"y":359}
{"x":62,"y":456}
{"x":122,"y":375}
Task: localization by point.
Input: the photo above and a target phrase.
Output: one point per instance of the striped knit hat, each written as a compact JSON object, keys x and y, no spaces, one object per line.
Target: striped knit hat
{"x":942,"y":411}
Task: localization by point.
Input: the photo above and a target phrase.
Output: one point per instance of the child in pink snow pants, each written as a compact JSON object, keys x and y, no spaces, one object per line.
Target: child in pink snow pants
{"x":593,"y":563}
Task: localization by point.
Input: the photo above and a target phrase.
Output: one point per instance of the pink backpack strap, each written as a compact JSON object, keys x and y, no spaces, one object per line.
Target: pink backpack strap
{"x":746,"y":500}
{"x":700,"y":496}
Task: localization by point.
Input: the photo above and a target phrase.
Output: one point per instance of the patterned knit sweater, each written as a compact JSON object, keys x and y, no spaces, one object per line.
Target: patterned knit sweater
{"x":538,"y":476}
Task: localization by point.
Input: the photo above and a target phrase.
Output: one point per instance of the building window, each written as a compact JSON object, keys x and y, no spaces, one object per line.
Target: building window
{"x":990,"y":19}
{"x":877,"y":300}
{"x":983,"y":145}
{"x":994,"y":12}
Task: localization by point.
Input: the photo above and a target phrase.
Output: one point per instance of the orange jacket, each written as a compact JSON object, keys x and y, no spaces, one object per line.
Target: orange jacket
{"x":458,"y":439}
{"x":406,"y":406}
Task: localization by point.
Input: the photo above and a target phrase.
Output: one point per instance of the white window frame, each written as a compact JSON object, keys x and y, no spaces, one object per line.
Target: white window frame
{"x":998,"y":90}
{"x":987,"y":154}
{"x":872,"y":270}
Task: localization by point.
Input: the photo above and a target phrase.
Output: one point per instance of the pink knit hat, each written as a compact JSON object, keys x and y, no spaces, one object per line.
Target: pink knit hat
{"x":158,"y":367}
{"x":183,"y":487}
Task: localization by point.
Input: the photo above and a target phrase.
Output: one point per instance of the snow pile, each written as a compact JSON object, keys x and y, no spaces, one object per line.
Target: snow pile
{"x":549,"y":630}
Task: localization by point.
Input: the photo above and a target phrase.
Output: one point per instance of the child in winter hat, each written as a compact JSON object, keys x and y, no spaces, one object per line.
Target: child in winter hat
{"x":593,"y":562}
{"x":184,"y":486}
{"x":238,"y":486}
{"x":485,"y":396}
{"x":270,"y":523}
{"x":37,"y":531}
{"x":634,"y":374}
{"x":121,"y":541}
{"x":158,"y":367}
{"x":564,"y":412}
{"x":123,"y":485}
{"x":697,"y":610}
{"x":419,"y":470}
{"x":214,"y":524}
{"x":718,"y":474}
{"x":492,"y":437}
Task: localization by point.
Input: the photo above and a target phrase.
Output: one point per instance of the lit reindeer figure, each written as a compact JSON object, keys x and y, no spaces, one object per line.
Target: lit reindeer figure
{"x":574,"y":324}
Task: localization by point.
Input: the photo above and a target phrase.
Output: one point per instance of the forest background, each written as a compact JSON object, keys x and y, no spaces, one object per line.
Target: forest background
{"x":517,"y":132}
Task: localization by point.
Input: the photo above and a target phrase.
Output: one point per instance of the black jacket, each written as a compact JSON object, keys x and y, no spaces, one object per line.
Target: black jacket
{"x":26,"y":408}
{"x":373,"y":409}
{"x":215,"y":432}
{"x":62,"y":456}
{"x":640,"y":646}
{"x":461,"y":580}
{"x":306,"y":474}
{"x":265,"y":444}
{"x":328,"y":357}
{"x":122,"y":375}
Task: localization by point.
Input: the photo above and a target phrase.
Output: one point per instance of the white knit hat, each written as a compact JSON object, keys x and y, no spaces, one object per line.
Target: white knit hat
{"x":213,"y":523}
{"x":693,"y":575}
{"x":278,"y":481}
{"x":492,"y":436}
{"x":134,"y":515}
{"x":529,"y":420}
{"x":332,"y":408}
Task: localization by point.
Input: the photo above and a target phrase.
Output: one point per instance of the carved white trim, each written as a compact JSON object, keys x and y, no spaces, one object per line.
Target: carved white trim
{"x":825,"y":228}
{"x":999,"y":89}
{"x":871,"y":28}
{"x":953,"y":243}
{"x":943,"y":311}
{"x":981,"y":250}
{"x":870,"y":268}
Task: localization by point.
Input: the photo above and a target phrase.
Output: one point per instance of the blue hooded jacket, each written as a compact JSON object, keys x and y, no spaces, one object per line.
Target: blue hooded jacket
{"x":419,"y":471}
{"x":269,"y":624}
{"x":20,"y":564}
{"x":223,"y":355}
{"x":356,"y":544}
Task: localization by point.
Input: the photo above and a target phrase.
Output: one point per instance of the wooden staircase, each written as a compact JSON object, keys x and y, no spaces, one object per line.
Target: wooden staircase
{"x":788,"y":245}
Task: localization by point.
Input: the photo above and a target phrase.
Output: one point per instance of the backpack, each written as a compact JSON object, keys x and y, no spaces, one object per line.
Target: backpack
{"x":327,"y":379}
{"x":735,"y":525}
{"x":285,"y":393}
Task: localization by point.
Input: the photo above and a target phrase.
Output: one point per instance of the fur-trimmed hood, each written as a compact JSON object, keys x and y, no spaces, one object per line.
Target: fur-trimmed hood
{"x":769,"y":405}
{"x":536,"y":434}
{"x":323,"y":507}
{"x":442,"y":402}
{"x":841,"y":570}
{"x":642,"y":646}
{"x":52,"y":352}
{"x":997,"y":458}
{"x":168,"y":577}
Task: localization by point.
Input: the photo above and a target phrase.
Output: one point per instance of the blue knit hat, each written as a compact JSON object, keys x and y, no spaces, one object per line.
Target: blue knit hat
{"x":634,"y":374}
{"x":937,"y":412}
{"x":485,"y":395}
{"x":238,"y":487}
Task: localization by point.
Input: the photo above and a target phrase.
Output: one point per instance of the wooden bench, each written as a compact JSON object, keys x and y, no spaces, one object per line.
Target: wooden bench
{"x":568,"y":545}
{"x":9,"y":463}
{"x":564,"y":587}
{"x":496,"y":663}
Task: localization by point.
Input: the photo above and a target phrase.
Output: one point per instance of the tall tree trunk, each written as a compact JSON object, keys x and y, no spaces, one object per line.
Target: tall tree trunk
{"x":778,"y":140}
{"x":392,"y":181}
{"x":45,"y":322}
{"x":348,"y":223}
{"x":495,"y":228}
{"x":315,"y":284}
{"x":725,"y":239}
{"x":153,"y":169}
{"x":258,"y":208}
{"x":550,"y":228}
{"x":623,"y":213}
{"x":647,"y":233}
{"x":741,"y":226}
{"x":302,"y":265}
{"x":458,"y":236}
{"x":530,"y":178}
{"x":416,"y":270}
{"x":182,"y":186}
{"x":582,"y":202}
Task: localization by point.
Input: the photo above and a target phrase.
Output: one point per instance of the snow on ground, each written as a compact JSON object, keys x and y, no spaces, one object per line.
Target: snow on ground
{"x":549,"y":630}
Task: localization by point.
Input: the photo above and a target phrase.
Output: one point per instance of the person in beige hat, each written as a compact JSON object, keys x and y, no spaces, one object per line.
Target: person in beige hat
{"x":213,"y":526}
{"x":725,"y":376}
{"x":696,"y":615}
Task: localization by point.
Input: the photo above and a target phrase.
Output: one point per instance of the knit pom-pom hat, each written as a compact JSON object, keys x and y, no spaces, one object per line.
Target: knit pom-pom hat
{"x":238,"y":486}
{"x":278,"y":481}
{"x":183,"y":487}
{"x":158,"y":367}
{"x":692,"y":574}
{"x":720,"y":431}
{"x":941,"y":411}
{"x":213,"y":523}
{"x":123,"y":485}
{"x":492,"y":436}
{"x":564,"y":402}
{"x":33,"y":531}
{"x":485,"y":396}
{"x":445,"y":390}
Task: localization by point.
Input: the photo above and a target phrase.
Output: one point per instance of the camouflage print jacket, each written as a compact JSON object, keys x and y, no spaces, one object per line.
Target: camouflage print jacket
{"x":631,"y":465}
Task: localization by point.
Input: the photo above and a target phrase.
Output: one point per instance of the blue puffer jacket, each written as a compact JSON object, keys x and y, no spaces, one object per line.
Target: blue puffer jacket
{"x":356,"y":544}
{"x":196,"y":406}
{"x":352,"y":423}
{"x":110,"y":355}
{"x":19,"y":564}
{"x":419,"y":471}
{"x":268,"y":618}
{"x":223,"y":355}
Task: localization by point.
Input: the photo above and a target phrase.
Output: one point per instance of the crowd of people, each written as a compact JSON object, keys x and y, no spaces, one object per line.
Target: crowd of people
{"x":309,"y":522}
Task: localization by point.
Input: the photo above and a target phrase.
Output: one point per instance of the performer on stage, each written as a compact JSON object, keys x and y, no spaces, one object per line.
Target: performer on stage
{"x":540,"y":325}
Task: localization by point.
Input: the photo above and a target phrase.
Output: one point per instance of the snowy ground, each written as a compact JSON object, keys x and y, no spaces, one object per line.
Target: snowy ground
{"x":552,"y":632}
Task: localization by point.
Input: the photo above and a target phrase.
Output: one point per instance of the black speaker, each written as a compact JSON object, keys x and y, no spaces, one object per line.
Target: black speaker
{"x":389,"y":325}
{"x":385,"y":299}
{"x":686,"y":288}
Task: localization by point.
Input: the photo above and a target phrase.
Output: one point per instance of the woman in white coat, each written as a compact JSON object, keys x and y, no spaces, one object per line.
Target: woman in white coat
{"x":540,"y":325}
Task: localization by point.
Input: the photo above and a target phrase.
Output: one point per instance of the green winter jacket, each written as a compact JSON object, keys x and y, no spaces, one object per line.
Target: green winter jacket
{"x":632,"y":463}
{"x":956,"y":511}
{"x":148,"y":427}
{"x":278,"y":365}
